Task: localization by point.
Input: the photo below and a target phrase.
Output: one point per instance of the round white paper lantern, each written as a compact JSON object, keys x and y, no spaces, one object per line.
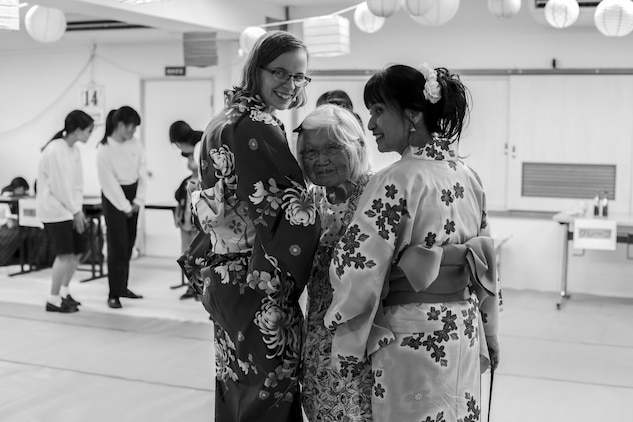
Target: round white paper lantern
{"x":561,"y":13}
{"x":504,"y":8}
{"x":441,"y":11}
{"x":384,"y":8}
{"x":417,"y":7}
{"x":45,"y":24}
{"x":248,"y":37}
{"x":614,"y":18}
{"x":367,"y":21}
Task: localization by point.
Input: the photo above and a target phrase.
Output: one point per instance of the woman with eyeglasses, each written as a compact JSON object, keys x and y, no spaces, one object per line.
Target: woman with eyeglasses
{"x":260,"y":229}
{"x":332,"y":151}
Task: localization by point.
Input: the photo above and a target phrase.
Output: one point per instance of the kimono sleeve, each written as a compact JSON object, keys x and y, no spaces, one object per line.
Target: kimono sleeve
{"x":283,"y":211}
{"x":207,"y":194}
{"x":489,"y":306}
{"x":360,"y":265}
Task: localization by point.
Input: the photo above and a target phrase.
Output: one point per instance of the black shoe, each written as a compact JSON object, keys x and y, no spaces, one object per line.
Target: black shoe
{"x":66,"y":308}
{"x":71,"y":300}
{"x":190,"y":293}
{"x":114,"y":303}
{"x":131,"y":295}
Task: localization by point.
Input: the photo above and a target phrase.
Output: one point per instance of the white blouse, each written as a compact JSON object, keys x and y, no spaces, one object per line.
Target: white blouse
{"x":120,"y":164}
{"x":59,"y":182}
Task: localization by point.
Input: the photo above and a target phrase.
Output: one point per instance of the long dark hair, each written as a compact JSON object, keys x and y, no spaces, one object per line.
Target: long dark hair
{"x":126,"y":115}
{"x":402,"y":87}
{"x":76,"y":119}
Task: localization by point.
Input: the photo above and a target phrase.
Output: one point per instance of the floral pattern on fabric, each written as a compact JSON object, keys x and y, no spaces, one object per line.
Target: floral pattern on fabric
{"x":328,"y":396}
{"x":431,"y":374}
{"x":428,"y":198}
{"x":260,"y":231}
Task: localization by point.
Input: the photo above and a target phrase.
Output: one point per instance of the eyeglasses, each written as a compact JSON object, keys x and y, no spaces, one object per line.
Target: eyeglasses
{"x":283,"y":76}
{"x":329,"y":150}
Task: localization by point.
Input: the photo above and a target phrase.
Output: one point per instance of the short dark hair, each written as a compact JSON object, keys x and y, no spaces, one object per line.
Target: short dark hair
{"x":16,"y":183}
{"x":337,"y":97}
{"x":181,"y":133}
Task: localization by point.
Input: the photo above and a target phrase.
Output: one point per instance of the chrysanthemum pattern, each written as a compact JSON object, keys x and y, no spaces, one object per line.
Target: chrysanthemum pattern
{"x":297,"y":202}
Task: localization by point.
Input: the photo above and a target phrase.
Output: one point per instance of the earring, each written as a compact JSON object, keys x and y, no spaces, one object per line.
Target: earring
{"x":412,"y":129}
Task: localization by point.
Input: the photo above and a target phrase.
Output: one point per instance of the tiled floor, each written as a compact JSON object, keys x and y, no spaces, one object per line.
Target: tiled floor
{"x":152,"y":360}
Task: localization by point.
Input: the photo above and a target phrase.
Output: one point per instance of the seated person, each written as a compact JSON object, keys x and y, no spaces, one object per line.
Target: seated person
{"x":9,"y":230}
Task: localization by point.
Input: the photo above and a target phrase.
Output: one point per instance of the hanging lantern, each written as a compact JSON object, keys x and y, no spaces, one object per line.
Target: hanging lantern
{"x":561,"y":13}
{"x":417,"y":7}
{"x":10,"y":15}
{"x":441,"y":11}
{"x":45,"y":24}
{"x":384,"y":8}
{"x":504,"y":8}
{"x":326,"y":36}
{"x":248,"y":37}
{"x":367,"y":21}
{"x":614,"y":18}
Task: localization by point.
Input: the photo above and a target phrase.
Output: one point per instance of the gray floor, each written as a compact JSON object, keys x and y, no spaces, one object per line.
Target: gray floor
{"x":152,"y":360}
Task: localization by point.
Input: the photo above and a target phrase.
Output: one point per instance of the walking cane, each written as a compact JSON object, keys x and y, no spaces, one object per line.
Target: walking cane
{"x":492,"y":374}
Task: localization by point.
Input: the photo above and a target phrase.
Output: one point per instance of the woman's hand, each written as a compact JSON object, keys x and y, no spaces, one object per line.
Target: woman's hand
{"x":79,"y":222}
{"x":493,"y":351}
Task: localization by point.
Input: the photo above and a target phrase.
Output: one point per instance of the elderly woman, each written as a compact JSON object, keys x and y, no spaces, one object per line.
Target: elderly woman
{"x":332,"y":153}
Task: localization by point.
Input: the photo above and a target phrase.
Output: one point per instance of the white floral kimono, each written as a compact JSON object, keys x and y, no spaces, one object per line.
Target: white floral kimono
{"x":261,"y":230}
{"x":425,"y":355}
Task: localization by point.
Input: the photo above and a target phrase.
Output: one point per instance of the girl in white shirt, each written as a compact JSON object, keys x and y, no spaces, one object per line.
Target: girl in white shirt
{"x":121,"y":168}
{"x":59,"y":205}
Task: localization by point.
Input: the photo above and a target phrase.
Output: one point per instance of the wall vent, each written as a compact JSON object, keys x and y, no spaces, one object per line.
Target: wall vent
{"x":557,"y":180}
{"x":582,"y":3}
{"x":100,"y":25}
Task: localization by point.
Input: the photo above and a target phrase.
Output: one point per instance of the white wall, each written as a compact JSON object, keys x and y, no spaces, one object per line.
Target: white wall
{"x":39,"y":86}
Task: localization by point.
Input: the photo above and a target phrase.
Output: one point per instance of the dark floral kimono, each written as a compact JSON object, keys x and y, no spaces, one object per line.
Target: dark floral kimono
{"x":262,"y":229}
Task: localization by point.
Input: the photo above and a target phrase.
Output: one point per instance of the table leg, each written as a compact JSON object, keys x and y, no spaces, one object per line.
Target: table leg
{"x":563,"y":280}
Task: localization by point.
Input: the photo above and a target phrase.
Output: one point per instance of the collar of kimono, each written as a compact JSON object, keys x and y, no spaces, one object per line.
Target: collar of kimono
{"x":240,"y":103}
{"x":438,"y":149}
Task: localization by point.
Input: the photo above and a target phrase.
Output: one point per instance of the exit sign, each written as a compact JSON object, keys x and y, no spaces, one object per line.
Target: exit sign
{"x":175,"y":70}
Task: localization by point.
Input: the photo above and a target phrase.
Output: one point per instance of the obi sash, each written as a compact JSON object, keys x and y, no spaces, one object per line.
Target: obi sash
{"x":440,"y":270}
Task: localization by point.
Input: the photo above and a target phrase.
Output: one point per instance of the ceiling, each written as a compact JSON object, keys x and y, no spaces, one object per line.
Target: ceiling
{"x":168,"y":19}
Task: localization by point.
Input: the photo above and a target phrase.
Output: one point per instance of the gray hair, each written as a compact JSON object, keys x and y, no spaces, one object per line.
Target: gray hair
{"x":340,"y":125}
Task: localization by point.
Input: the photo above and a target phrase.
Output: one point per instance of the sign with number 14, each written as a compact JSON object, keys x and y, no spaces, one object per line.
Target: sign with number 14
{"x":91,"y":101}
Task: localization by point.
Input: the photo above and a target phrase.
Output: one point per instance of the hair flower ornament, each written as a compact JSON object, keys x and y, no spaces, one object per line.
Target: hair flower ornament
{"x":432,"y":88}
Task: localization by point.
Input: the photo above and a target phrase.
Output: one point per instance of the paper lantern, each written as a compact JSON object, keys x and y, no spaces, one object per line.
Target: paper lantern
{"x":417,"y":7}
{"x":561,"y":13}
{"x":384,"y":8}
{"x":45,"y":24}
{"x":441,"y":11}
{"x":10,"y":15}
{"x":367,"y":21}
{"x":248,"y":37}
{"x":614,"y":18}
{"x":326,"y":36}
{"x":504,"y":8}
